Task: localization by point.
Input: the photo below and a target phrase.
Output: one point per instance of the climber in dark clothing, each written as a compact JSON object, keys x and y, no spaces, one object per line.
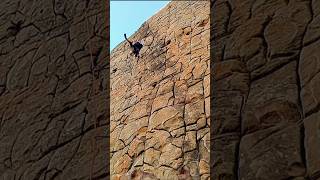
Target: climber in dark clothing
{"x":136,"y":47}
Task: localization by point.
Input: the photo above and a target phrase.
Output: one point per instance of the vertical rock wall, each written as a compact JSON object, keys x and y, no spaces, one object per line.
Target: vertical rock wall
{"x":53,"y":92}
{"x":266,"y":63}
{"x":160,"y":102}
{"x":49,"y":98}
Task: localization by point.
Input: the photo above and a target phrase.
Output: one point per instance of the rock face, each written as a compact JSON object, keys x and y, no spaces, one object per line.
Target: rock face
{"x":265,"y":106}
{"x":50,"y":100}
{"x":264,"y":100}
{"x":160,"y":102}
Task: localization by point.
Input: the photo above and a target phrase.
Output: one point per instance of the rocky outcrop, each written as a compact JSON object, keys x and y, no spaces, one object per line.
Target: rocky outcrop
{"x":265,"y":106}
{"x":160,"y":102}
{"x":53,"y":95}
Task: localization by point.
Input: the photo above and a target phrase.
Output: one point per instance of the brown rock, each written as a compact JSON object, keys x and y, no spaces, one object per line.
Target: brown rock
{"x":136,"y":147}
{"x":158,"y":102}
{"x":152,"y":156}
{"x":171,"y":114}
{"x":161,"y":101}
{"x":139,"y":110}
{"x":132,"y":128}
{"x":312,"y":130}
{"x":225,"y":152}
{"x":123,"y":164}
{"x":265,"y":70}
{"x":157,"y":139}
{"x":204,"y":167}
{"x":272,"y":100}
{"x":310,"y":95}
{"x":266,"y":160}
{"x":194,"y":111}
{"x":190,"y":142}
{"x":310,"y":63}
{"x":171,"y":156}
{"x":166,"y":88}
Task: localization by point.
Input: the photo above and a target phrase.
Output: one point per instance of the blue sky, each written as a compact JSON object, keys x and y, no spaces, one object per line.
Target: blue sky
{"x":128,"y":16}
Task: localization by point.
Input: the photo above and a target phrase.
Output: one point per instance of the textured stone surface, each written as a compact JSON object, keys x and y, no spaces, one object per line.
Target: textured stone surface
{"x":312,"y":135}
{"x":160,"y":104}
{"x":49,"y":96}
{"x":265,"y":79}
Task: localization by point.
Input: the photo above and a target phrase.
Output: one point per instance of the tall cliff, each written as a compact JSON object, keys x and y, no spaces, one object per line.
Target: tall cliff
{"x":265,"y":107}
{"x":53,"y":98}
{"x":265,"y":98}
{"x":160,"y":102}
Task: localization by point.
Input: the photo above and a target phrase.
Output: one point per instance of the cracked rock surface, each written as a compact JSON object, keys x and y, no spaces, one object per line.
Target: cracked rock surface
{"x":49,"y":96}
{"x":265,"y":109}
{"x":160,"y":102}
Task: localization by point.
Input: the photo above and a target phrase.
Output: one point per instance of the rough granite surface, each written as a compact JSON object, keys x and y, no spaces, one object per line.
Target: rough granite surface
{"x":160,"y":102}
{"x":264,"y":80}
{"x":53,"y":108}
{"x":265,"y":107}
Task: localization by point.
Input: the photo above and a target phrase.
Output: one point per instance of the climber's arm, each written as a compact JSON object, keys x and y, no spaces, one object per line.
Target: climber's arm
{"x":125,"y":36}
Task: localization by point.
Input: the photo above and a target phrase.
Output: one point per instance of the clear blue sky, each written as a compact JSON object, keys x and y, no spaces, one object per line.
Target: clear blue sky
{"x":128,"y":16}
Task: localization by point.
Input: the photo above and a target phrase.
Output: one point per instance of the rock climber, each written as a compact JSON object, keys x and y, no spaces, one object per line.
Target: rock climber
{"x":136,"y":47}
